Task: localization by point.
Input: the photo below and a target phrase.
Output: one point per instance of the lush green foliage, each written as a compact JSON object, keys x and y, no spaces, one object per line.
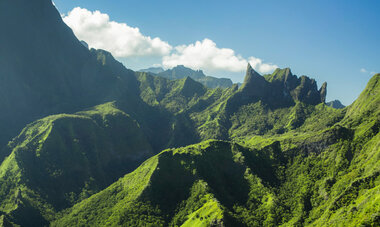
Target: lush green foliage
{"x":62,"y":159}
{"x":326,"y":172}
{"x":296,"y":165}
{"x":277,"y":155}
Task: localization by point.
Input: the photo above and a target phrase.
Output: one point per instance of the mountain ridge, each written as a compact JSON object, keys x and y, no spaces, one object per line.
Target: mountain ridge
{"x":73,"y":80}
{"x":103,"y":145}
{"x":180,"y":72}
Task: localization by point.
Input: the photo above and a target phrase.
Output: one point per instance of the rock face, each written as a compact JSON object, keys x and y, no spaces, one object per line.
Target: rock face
{"x":282,"y":88}
{"x":180,"y":72}
{"x":336,"y":104}
{"x":323,"y":92}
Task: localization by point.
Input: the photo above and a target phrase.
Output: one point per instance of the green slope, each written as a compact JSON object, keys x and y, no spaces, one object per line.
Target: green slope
{"x":62,"y":159}
{"x":288,"y":150}
{"x":179,"y":186}
{"x":286,"y":159}
{"x":232,"y":112}
{"x":45,"y":70}
{"x":326,"y":177}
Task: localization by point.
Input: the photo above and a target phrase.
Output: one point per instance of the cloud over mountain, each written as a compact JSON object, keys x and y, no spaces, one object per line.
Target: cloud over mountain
{"x":121,"y":40}
{"x":124,"y":41}
{"x":207,"y":55}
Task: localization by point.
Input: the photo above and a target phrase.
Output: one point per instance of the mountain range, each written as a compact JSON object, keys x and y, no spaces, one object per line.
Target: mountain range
{"x":88,"y":142}
{"x":180,"y":72}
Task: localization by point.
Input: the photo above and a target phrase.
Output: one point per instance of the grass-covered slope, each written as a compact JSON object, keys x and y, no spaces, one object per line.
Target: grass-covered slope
{"x":270,"y":104}
{"x":328,"y":176}
{"x":275,"y":179}
{"x":230,"y":113}
{"x":195,"y":185}
{"x":219,"y":182}
{"x":62,"y":159}
{"x":290,"y":160}
{"x":175,"y":96}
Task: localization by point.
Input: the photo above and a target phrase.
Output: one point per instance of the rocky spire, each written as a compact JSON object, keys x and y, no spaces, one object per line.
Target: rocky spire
{"x":251,"y":75}
{"x":254,"y":84}
{"x":323,"y":92}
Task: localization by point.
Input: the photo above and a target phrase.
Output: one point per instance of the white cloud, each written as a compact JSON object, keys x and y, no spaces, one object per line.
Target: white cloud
{"x":206,"y":55}
{"x":118,"y":38}
{"x":363,"y":70}
{"x":124,"y":41}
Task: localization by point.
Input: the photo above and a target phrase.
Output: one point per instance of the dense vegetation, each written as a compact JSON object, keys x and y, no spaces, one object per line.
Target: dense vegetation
{"x":105,"y":146}
{"x":327,"y":176}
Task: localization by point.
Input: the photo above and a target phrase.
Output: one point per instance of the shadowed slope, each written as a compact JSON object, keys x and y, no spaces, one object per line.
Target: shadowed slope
{"x":45,"y":70}
{"x":62,"y":159}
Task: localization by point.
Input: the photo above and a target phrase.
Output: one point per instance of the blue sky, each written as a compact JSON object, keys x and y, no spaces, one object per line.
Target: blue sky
{"x":333,"y":41}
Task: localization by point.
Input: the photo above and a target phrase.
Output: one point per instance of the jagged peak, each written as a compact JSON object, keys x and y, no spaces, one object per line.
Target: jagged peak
{"x":187,"y":80}
{"x":251,"y":75}
{"x":190,"y":82}
{"x":284,"y":75}
{"x":323,"y":92}
{"x":182,"y":67}
{"x":284,"y":71}
{"x":190,"y":87}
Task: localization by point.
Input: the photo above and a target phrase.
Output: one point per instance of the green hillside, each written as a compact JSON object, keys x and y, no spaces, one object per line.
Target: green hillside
{"x":324,"y":178}
{"x":85,"y":141}
{"x":45,"y":70}
{"x":62,"y":159}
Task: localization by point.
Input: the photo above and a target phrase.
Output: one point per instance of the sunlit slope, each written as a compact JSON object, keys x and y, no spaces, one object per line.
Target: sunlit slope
{"x":192,"y":185}
{"x":326,"y":177}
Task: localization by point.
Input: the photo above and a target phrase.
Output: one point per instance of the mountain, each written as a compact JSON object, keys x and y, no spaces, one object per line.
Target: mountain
{"x":326,"y":178}
{"x":202,"y":180}
{"x":273,"y":103}
{"x":96,"y":144}
{"x":45,"y":70}
{"x":155,"y":70}
{"x":335,"y":104}
{"x":180,"y":72}
{"x":64,"y":158}
{"x":282,"y":87}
